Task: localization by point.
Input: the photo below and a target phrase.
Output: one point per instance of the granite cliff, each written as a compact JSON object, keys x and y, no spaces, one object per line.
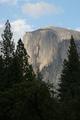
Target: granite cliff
{"x":47,"y":48}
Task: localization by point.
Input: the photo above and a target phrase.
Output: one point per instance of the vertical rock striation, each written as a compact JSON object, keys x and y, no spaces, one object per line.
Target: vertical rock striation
{"x":48,"y":48}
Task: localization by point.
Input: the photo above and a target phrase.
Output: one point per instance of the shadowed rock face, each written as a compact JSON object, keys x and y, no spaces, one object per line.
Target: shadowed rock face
{"x":48,"y":48}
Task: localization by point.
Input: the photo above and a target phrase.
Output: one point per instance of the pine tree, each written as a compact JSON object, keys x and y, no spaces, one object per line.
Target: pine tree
{"x":22,"y":59}
{"x":70,"y":77}
{"x":69,"y":86}
{"x":7,"y":43}
{"x":7,"y":50}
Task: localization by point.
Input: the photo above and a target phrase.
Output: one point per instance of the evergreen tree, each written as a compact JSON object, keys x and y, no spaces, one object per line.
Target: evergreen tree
{"x":26,"y":69}
{"x":7,"y":44}
{"x":7,"y":50}
{"x":25,"y":100}
{"x":70,"y":83}
{"x":69,"y":86}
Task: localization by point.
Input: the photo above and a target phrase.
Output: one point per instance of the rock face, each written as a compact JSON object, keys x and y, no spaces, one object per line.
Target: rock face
{"x":48,"y":48}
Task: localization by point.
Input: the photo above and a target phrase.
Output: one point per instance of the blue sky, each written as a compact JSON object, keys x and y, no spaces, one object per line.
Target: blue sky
{"x":26,"y":15}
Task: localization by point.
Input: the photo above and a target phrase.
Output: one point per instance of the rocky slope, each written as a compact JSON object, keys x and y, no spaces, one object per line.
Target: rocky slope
{"x":48,"y":48}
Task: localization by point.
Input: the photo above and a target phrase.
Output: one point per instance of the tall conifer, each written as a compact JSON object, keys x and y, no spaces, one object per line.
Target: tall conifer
{"x":7,"y":43}
{"x":69,"y":87}
{"x":7,"y":50}
{"x":70,"y":77}
{"x":22,"y":58}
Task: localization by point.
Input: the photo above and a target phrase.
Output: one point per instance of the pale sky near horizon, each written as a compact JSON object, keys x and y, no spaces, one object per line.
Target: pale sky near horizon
{"x":27,"y":15}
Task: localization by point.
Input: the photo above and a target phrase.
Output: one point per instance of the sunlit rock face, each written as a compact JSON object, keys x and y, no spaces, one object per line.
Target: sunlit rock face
{"x":48,"y":48}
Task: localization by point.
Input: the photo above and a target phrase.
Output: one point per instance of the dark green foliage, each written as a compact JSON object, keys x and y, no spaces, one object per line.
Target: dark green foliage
{"x":7,"y":51}
{"x":22,"y":60}
{"x":15,"y":72}
{"x":28,"y":100}
{"x":69,"y":87}
{"x":1,"y":73}
{"x":7,"y":43}
{"x":23,"y":96}
{"x":70,"y":83}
